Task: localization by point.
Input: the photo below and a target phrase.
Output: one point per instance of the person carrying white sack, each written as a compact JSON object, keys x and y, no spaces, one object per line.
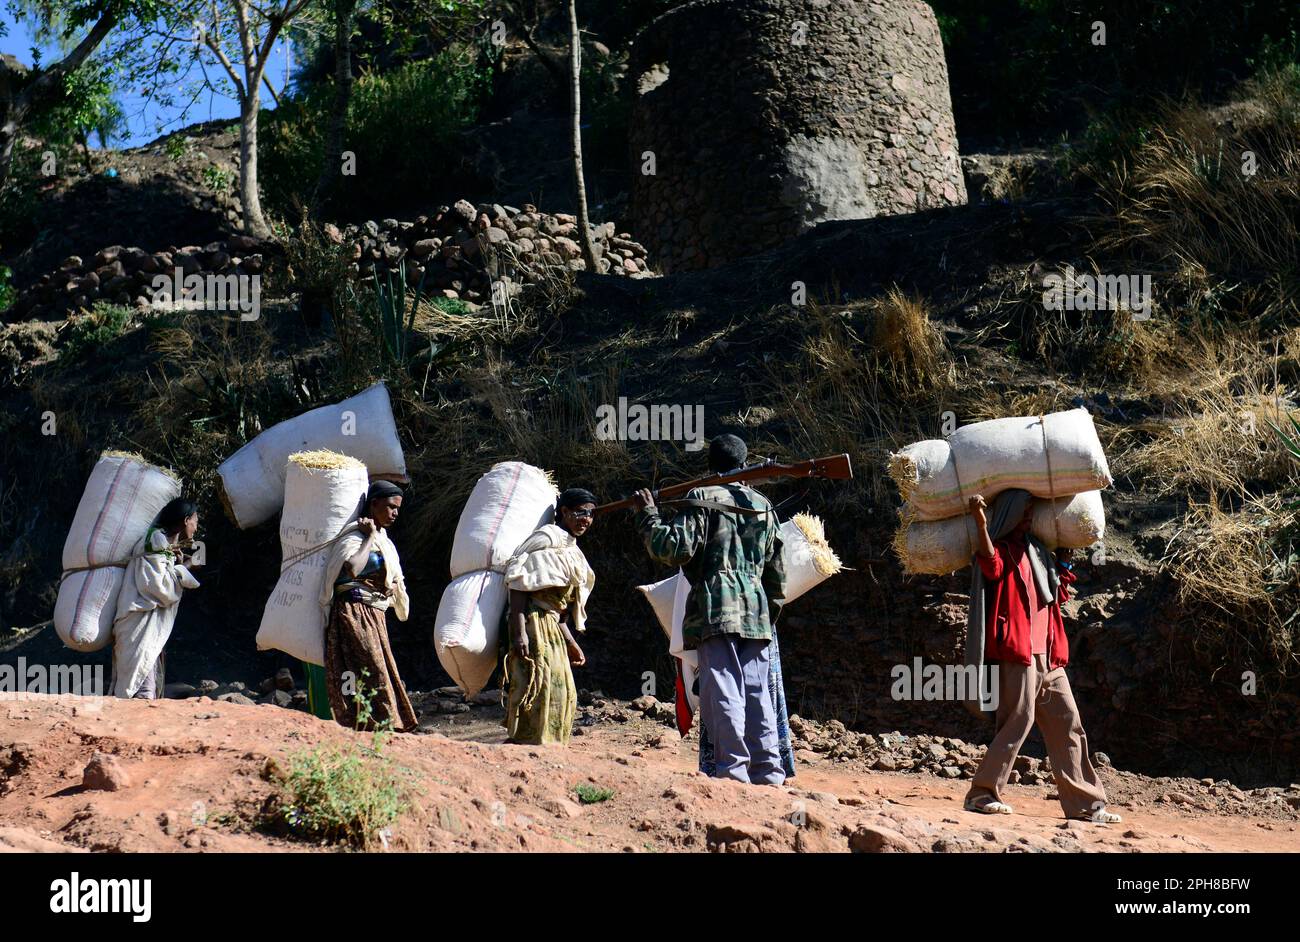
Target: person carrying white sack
{"x":156,"y":577}
{"x":1015,"y":623}
{"x":363,"y":579}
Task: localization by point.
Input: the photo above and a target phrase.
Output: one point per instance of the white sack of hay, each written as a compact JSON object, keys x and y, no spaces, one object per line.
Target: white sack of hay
{"x":322,"y":496}
{"x":936,"y":547}
{"x":122,"y":497}
{"x":1056,"y":456}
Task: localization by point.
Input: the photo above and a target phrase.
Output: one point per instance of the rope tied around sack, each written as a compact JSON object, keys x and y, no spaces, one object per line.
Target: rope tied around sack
{"x":961,"y":492}
{"x":1051,"y":486}
{"x":292,"y":560}
{"x":121,"y":563}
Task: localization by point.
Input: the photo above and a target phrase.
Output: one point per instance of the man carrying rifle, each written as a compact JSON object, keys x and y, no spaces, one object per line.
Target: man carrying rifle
{"x":725,"y":538}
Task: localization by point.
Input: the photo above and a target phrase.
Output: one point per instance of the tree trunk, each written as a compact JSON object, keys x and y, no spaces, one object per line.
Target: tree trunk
{"x":254,"y":223}
{"x":575,"y":68}
{"x":45,"y":90}
{"x":331,"y":168}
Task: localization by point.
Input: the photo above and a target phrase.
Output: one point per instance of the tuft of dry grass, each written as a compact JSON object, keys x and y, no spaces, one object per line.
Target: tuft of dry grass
{"x":1216,"y":432}
{"x":824,"y":558}
{"x":1214,"y":199}
{"x":1236,"y":581}
{"x":867,"y":380}
{"x":322,"y":459}
{"x":907,"y":344}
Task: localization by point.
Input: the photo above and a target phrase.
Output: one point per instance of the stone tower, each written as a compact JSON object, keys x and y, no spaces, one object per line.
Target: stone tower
{"x":763,"y":118}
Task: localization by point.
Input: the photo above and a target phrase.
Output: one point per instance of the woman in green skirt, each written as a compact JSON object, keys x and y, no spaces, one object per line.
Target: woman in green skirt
{"x":549,"y":582}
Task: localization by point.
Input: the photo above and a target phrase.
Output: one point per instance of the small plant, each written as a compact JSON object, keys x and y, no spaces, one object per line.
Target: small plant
{"x":88,"y":332}
{"x":387,"y":312}
{"x":218,"y":179}
{"x":177,"y":147}
{"x":592,"y":794}
{"x":342,"y":795}
{"x":8,"y":293}
{"x":451,"y":305}
{"x":346,"y":794}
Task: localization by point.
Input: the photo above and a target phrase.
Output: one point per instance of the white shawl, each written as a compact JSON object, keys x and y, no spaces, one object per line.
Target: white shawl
{"x":146,"y":611}
{"x":394,"y":582}
{"x":550,"y":559}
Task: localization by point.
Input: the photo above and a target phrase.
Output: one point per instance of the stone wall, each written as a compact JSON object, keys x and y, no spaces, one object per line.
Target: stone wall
{"x":766,"y":117}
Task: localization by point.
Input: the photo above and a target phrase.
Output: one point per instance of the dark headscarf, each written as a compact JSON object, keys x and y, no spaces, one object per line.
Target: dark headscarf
{"x":1004,"y":516}
{"x":574,"y":497}
{"x":382,"y":490}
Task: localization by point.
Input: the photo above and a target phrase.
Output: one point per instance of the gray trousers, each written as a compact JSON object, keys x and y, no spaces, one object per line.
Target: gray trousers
{"x":736,"y":709}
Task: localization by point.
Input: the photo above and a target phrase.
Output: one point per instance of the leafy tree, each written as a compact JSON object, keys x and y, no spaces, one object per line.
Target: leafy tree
{"x":31,"y":94}
{"x":221,"y":47}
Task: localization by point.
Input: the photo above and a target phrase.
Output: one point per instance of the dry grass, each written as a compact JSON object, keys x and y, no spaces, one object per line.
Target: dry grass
{"x":1216,"y":435}
{"x":322,"y":459}
{"x":907,"y":344}
{"x":1184,"y":199}
{"x":814,"y":531}
{"x":866,"y":397}
{"x":1236,"y":582}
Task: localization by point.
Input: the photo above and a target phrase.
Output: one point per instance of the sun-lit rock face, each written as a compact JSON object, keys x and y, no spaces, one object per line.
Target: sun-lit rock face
{"x":755,"y":120}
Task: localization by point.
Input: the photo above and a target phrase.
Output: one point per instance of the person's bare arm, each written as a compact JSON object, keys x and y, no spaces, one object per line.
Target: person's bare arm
{"x":978,"y":511}
{"x":518,"y":623}
{"x":357,"y":561}
{"x":576,"y":657}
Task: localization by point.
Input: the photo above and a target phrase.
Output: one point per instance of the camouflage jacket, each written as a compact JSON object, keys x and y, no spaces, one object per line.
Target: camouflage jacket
{"x":733,"y":562}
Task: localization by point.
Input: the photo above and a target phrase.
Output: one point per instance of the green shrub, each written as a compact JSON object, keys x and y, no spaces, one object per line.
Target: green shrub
{"x":346,"y":794}
{"x":401,"y":125}
{"x":88,"y":332}
{"x":343,"y":794}
{"x":8,"y":293}
{"x":218,"y":179}
{"x":593,"y":794}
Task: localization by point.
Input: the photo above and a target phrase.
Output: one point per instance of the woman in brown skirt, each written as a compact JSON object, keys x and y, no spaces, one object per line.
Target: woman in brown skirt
{"x":364,"y":581}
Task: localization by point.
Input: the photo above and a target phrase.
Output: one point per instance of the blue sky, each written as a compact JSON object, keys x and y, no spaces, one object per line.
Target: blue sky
{"x":143,"y":118}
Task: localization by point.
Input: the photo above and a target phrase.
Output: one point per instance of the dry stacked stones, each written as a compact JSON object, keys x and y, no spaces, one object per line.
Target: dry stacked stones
{"x":126,"y":274}
{"x":766,"y":117}
{"x":461,"y":249}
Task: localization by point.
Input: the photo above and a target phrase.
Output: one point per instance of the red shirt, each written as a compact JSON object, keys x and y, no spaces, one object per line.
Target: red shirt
{"x":1007,"y":634}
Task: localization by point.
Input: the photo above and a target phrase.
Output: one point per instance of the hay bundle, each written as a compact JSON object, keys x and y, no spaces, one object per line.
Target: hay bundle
{"x":1055,"y":455}
{"x":323,"y":492}
{"x":936,"y":547}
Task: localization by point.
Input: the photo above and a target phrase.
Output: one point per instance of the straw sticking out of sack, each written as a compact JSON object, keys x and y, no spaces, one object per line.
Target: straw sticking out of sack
{"x":140,"y":459}
{"x":550,"y":477}
{"x":324,"y":460}
{"x":824,"y":558}
{"x":902,"y":471}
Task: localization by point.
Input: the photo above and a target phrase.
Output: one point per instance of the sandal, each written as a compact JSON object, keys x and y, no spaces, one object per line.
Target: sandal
{"x":988,"y":807}
{"x":1101,"y":816}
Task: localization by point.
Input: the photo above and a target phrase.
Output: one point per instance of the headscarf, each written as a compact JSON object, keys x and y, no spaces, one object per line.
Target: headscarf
{"x":382,"y":490}
{"x":1007,"y":512}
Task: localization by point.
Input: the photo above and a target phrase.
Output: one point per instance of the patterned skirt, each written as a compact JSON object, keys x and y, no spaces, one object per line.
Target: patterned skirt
{"x":359,"y":660}
{"x":541,"y":698}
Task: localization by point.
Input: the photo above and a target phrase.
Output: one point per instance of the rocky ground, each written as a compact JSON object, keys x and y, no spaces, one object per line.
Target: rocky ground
{"x":197,"y":774}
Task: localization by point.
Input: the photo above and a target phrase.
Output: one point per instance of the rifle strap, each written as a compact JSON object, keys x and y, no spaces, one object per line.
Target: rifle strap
{"x":716,"y":505}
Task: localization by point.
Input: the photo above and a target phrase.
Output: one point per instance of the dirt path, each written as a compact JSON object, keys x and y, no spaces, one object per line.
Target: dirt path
{"x":196,"y":775}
